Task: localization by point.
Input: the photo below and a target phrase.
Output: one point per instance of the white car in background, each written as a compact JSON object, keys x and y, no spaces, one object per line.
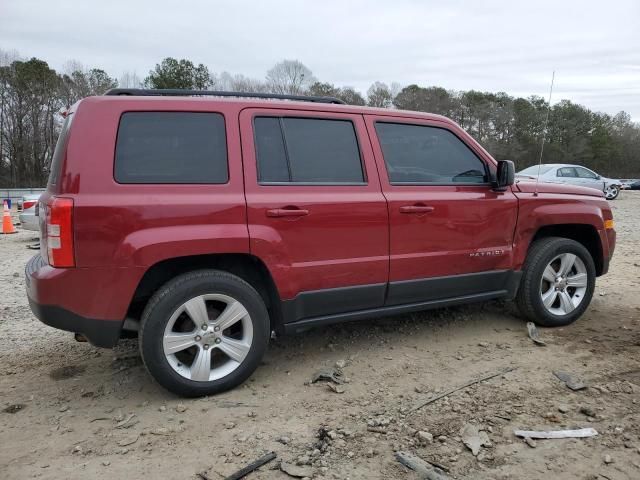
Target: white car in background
{"x":573,"y":175}
{"x":28,"y":216}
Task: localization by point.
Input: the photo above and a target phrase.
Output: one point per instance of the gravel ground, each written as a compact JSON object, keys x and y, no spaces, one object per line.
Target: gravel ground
{"x":69,"y":410}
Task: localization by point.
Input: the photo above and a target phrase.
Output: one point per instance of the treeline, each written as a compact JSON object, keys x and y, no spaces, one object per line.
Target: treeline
{"x":33,"y":97}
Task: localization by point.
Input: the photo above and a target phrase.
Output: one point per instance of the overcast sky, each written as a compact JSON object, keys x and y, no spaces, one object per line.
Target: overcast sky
{"x":594,"y":46}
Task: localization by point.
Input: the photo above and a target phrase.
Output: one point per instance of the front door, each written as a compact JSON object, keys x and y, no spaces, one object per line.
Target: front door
{"x":316,"y":213}
{"x":450,"y":233}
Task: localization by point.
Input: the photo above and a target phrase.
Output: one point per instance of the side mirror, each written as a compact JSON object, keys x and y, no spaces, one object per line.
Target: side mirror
{"x":598,"y":177}
{"x":505,"y":175}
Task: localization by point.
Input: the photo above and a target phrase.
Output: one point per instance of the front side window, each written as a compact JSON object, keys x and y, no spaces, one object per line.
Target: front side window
{"x":307,"y":150}
{"x":171,"y":147}
{"x":417,"y":154}
{"x":584,"y":173}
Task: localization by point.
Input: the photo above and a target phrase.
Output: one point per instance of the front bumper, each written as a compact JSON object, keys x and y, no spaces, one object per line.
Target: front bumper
{"x":29,"y":222}
{"x":100,"y":332}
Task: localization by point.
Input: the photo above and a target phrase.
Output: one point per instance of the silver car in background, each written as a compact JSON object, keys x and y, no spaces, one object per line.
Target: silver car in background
{"x":28,"y":215}
{"x":573,"y":175}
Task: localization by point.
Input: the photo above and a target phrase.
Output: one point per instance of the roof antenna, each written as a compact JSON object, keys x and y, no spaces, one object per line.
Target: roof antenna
{"x":544,"y":133}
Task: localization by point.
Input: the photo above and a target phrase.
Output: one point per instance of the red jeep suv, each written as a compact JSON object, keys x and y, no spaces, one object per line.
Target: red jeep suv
{"x":203,"y":223}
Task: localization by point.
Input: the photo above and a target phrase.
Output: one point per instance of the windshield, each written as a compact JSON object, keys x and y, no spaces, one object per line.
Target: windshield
{"x":534,"y":170}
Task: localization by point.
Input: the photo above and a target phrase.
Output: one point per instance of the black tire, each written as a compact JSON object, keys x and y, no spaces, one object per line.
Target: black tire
{"x":174,"y":294}
{"x":540,"y":254}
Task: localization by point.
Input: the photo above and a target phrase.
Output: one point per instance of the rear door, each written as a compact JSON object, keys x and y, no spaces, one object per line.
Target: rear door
{"x":450,"y":233}
{"x":316,"y":213}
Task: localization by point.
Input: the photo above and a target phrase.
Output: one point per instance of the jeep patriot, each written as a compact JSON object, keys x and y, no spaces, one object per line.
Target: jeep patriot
{"x":204,"y":221}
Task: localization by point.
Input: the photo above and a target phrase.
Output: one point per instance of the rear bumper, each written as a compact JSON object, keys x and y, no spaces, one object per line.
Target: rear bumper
{"x":101,"y":333}
{"x":90,"y":301}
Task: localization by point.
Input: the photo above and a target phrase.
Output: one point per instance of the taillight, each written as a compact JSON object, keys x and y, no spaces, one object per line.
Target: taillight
{"x":28,"y":204}
{"x":59,"y":232}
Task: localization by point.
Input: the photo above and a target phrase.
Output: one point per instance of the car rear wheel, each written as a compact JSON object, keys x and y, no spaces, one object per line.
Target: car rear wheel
{"x":558,"y":282}
{"x":203,"y":332}
{"x":612,"y":192}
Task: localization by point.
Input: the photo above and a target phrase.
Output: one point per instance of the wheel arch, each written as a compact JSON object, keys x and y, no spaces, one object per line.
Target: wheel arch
{"x":246,"y":266}
{"x":585,"y":234}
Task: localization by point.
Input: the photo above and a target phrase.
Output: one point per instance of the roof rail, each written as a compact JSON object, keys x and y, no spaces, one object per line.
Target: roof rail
{"x":178,"y":92}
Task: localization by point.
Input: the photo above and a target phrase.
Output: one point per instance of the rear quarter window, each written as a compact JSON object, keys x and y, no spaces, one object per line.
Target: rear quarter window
{"x":58,"y":153}
{"x":171,"y":148}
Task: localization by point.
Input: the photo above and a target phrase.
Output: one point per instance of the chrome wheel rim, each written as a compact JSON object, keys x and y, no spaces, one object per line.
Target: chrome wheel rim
{"x":208,"y":337}
{"x":611,"y":192}
{"x":564,"y":284}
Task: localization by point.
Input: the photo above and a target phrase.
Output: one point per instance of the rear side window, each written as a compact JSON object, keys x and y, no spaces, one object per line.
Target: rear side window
{"x":567,"y":172}
{"x":171,"y":147}
{"x":416,"y":154}
{"x":58,"y":153}
{"x":307,"y":150}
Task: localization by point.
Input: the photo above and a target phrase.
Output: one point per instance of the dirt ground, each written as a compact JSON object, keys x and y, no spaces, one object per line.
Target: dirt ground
{"x":69,"y":410}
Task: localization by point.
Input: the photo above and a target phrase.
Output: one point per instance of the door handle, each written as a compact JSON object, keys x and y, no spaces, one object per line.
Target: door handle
{"x":416,"y":209}
{"x":287,"y":212}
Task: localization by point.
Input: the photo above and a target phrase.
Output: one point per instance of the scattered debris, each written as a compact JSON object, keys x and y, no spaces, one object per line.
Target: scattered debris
{"x":252,"y":466}
{"x":530,"y":441}
{"x":180,"y":408}
{"x":588,"y":411}
{"x":608,"y":459}
{"x":15,"y":408}
{"x":328,"y":375}
{"x":126,"y":423}
{"x":128,"y":440}
{"x":573,"y":383}
{"x":461,"y":387}
{"x":426,"y":470}
{"x":580,"y":433}
{"x":296,"y":470}
{"x":381,"y":430}
{"x":335,"y":388}
{"x":534,"y":335}
{"x":34,"y":246}
{"x":99,"y":418}
{"x":474,"y":438}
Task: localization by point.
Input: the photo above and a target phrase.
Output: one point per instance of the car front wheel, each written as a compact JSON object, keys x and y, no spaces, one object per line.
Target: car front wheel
{"x":203,"y":332}
{"x":612,"y":192}
{"x":557,"y":283}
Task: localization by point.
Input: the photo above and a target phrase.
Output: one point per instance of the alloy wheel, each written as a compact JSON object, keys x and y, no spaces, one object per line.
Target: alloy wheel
{"x":208,"y":337}
{"x":564,"y":284}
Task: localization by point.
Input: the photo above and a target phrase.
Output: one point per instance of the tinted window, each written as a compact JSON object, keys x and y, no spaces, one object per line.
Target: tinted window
{"x":171,"y":147}
{"x":567,"y":172}
{"x":419,"y":154}
{"x":58,"y":153}
{"x":272,"y":157}
{"x":307,"y":150}
{"x":584,"y":173}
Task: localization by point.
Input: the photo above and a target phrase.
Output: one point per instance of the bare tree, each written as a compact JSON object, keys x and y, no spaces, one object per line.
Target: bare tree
{"x":379,"y":95}
{"x":130,"y":80}
{"x":290,"y":77}
{"x":239,"y":83}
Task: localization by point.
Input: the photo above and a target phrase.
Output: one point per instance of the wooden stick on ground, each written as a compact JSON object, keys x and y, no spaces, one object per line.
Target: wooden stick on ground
{"x":251,"y":467}
{"x":461,"y":387}
{"x":418,"y":465}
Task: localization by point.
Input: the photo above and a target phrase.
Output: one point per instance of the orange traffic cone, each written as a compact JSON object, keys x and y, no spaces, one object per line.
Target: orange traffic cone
{"x":7,"y":223}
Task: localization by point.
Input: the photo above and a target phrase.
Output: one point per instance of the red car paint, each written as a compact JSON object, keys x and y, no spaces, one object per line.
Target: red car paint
{"x":351,"y":235}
